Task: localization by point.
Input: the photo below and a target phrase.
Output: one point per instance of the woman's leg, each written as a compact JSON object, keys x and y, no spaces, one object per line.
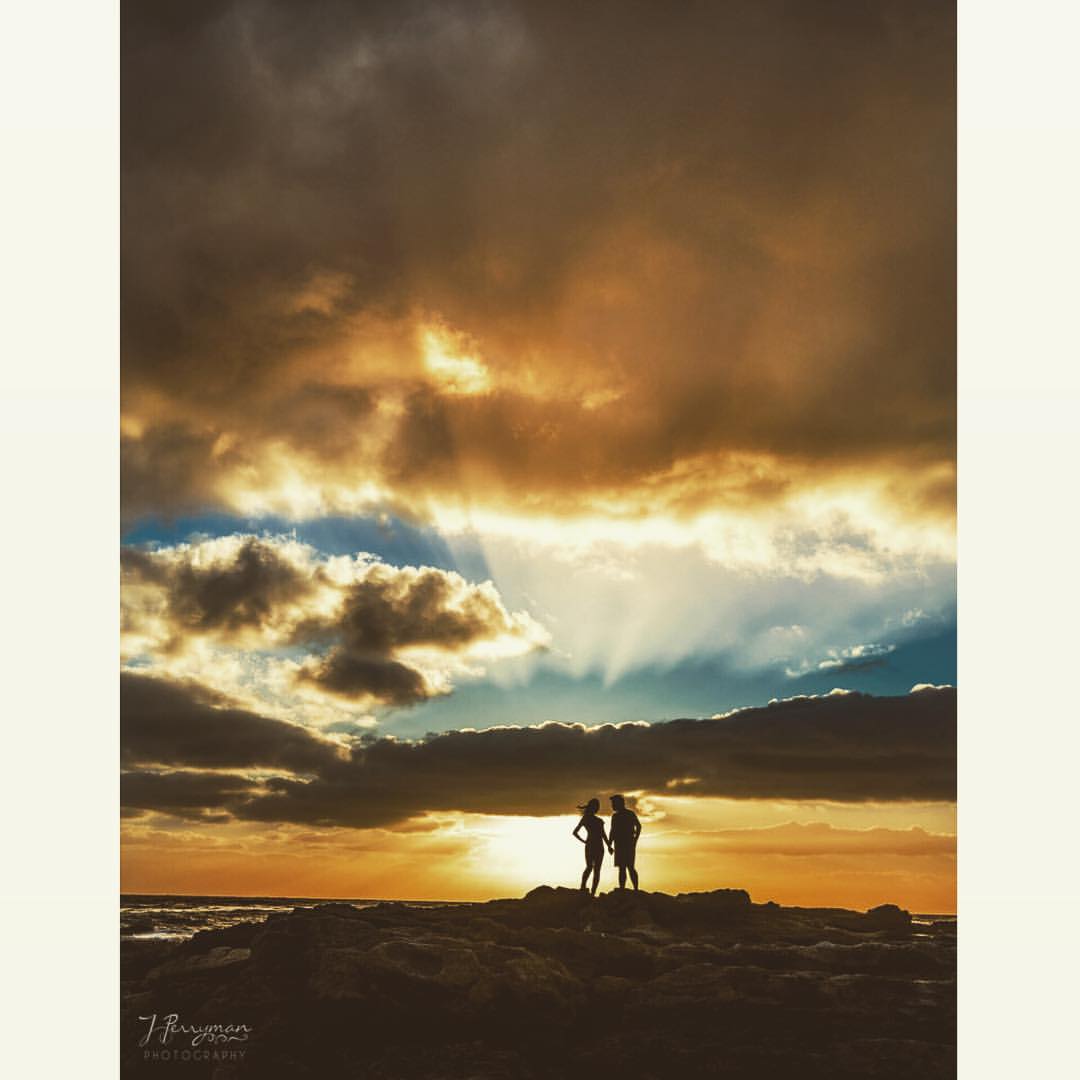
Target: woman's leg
{"x":595,"y":876}
{"x":585,"y":876}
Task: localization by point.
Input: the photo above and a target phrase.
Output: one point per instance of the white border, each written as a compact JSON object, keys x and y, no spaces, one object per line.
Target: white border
{"x":59,"y":414}
{"x":1019,"y":891}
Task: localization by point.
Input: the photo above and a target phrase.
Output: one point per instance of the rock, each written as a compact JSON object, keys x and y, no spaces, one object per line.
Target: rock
{"x":220,"y":957}
{"x":559,"y":984}
{"x":238,"y":936}
{"x":542,"y":892}
{"x":545,"y":906}
{"x":351,"y":911}
{"x":137,"y":957}
{"x":612,"y":986}
{"x":888,"y":917}
{"x":589,"y":954}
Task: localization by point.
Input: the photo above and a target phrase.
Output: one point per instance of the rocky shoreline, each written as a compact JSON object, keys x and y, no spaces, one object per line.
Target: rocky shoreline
{"x":553,"y":985}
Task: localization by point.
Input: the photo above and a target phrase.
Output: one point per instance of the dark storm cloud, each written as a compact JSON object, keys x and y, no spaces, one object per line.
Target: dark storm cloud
{"x":183,"y":793}
{"x":736,"y":216}
{"x":352,"y":675}
{"x":846,"y":748}
{"x":391,"y":608}
{"x":227,"y":596}
{"x":163,"y":722}
{"x":171,"y":466}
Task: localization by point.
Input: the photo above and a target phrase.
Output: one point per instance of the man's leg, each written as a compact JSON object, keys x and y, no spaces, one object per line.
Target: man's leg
{"x":622,"y":877}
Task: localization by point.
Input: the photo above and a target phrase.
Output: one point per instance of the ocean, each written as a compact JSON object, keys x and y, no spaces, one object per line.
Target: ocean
{"x":173,"y":918}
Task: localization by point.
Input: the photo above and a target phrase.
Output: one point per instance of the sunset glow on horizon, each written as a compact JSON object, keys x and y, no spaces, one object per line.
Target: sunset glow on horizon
{"x":477,"y":857}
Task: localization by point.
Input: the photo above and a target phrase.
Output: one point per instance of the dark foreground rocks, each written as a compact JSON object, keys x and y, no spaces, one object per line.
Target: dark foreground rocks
{"x":555,"y":985}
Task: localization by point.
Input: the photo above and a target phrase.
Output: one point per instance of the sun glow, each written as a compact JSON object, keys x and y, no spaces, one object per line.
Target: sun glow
{"x":524,"y":851}
{"x":456,"y":373}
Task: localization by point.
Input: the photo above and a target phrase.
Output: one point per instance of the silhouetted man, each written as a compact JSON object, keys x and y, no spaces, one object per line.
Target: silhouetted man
{"x":625,"y":829}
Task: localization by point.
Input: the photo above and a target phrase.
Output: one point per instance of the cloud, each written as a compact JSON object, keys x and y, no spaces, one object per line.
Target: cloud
{"x":223,"y":587}
{"x":164,"y":722}
{"x":365,"y":677}
{"x":850,"y":658}
{"x":173,"y":467}
{"x":183,"y":793}
{"x":409,"y":253}
{"x":821,"y":838}
{"x":364,"y":630}
{"x":855,"y":657}
{"x":845,"y":748}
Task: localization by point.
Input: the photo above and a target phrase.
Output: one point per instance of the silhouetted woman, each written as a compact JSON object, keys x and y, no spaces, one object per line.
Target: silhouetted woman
{"x":595,"y":840}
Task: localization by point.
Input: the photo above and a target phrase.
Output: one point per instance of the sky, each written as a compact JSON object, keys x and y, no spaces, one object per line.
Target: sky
{"x":527,"y":402}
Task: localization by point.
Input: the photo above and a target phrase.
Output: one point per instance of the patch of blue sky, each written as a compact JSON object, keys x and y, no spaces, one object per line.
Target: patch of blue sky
{"x":140,"y":662}
{"x":930,"y":659}
{"x":694,"y":687}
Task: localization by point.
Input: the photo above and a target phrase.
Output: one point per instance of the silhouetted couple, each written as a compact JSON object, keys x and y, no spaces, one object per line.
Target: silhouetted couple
{"x":625,"y":829}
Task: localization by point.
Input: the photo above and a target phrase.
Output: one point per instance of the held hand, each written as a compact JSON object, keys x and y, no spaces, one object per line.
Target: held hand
{"x":610,"y":850}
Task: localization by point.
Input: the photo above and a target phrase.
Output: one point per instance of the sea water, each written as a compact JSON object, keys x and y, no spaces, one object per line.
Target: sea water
{"x":173,"y":918}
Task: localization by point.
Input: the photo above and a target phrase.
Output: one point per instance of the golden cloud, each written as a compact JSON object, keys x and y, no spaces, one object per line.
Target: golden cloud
{"x":513,"y":263}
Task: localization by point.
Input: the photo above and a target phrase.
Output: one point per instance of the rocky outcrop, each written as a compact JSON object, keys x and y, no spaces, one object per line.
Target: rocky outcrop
{"x":218,"y":957}
{"x":559,"y":984}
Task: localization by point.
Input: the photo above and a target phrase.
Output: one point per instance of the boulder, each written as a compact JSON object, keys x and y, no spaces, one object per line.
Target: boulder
{"x":889,"y":917}
{"x":222,"y":956}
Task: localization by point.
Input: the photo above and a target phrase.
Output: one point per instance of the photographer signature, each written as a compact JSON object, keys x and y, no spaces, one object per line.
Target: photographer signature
{"x":211,"y":1034}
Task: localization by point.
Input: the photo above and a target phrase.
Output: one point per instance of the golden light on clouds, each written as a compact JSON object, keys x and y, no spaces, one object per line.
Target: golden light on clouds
{"x":453,"y":371}
{"x":275,"y":625}
{"x":570,"y":288}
